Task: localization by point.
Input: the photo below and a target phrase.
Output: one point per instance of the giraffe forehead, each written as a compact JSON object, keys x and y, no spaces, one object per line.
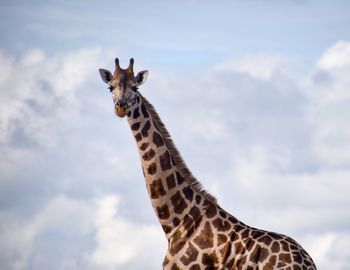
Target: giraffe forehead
{"x":123,"y":78}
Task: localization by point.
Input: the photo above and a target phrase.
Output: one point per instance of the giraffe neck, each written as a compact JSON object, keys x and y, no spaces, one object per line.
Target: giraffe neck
{"x":201,"y":235}
{"x":173,"y":190}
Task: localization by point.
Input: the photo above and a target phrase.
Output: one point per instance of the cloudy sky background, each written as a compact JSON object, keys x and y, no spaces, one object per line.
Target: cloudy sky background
{"x":256,"y":95}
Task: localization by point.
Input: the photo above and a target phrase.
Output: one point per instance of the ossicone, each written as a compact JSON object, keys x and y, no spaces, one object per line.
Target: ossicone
{"x":117,"y":67}
{"x":131,"y":65}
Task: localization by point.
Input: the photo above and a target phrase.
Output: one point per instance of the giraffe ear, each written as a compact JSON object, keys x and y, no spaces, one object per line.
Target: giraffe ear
{"x":105,"y":75}
{"x":141,"y":77}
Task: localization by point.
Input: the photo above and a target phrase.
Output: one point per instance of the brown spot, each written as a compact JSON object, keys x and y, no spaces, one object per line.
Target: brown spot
{"x":285,"y":246}
{"x":308,"y":261}
{"x":293,"y":247}
{"x":166,"y":229}
{"x":190,"y":255}
{"x":175,"y":267}
{"x":221,"y":224}
{"x":157,"y":189}
{"x":195,"y":267}
{"x":170,"y":181}
{"x":188,"y":225}
{"x":297,"y":257}
{"x":152,"y":168}
{"x":178,"y":202}
{"x":281,"y":264}
{"x":225,"y":253}
{"x":179,"y":178}
{"x":145,"y":129}
{"x":163,"y":212}
{"x":230,"y":264}
{"x":222,"y":239}
{"x":245,"y":233}
{"x":149,"y":155}
{"x":285,"y":257}
{"x":205,"y":238}
{"x":210,"y":260}
{"x":268,"y":266}
{"x":239,"y":248}
{"x":296,"y":267}
{"x":232,"y":219}
{"x":157,"y":139}
{"x":187,"y":222}
{"x":135,"y":126}
{"x":241,"y":262}
{"x":144,"y":146}
{"x":265,"y":239}
{"x":238,"y":227}
{"x":144,"y":110}
{"x":256,"y":234}
{"x":177,"y":243}
{"x":198,"y":199}
{"x":136,"y":113}
{"x":138,"y":137}
{"x":194,"y":212}
{"x":275,"y":247}
{"x":196,"y":216}
{"x":275,"y":236}
{"x":222,"y":214}
{"x":234,"y":237}
{"x":273,"y":260}
{"x":263,"y":254}
{"x":249,"y":243}
{"x":176,"y":221}
{"x":188,"y":192}
{"x":165,"y":162}
{"x":210,"y":209}
{"x":165,"y":262}
{"x":303,"y":253}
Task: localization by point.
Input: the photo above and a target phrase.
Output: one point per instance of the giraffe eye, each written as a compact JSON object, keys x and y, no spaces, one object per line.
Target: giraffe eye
{"x":134,"y":88}
{"x":110,"y":88}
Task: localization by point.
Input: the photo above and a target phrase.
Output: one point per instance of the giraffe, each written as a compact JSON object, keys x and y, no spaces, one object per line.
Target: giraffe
{"x":200,"y":234}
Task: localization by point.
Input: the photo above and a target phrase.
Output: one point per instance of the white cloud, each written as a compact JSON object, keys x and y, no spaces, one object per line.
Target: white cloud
{"x":258,"y":66}
{"x":33,"y":57}
{"x":121,"y":242}
{"x":16,"y":242}
{"x":205,"y":123}
{"x":118,"y":241}
{"x":336,"y":57}
{"x":328,"y":89}
{"x":37,"y":86}
{"x":20,"y":235}
{"x":330,"y":249}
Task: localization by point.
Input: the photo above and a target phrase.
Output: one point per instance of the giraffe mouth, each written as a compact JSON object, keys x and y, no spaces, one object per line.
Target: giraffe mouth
{"x":120,"y":111}
{"x":122,"y":107}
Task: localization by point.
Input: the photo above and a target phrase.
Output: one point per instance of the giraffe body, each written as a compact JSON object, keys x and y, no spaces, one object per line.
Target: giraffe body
{"x":201,"y":235}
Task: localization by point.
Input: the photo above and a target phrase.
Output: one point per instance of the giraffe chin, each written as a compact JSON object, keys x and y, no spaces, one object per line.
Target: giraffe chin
{"x":121,"y":112}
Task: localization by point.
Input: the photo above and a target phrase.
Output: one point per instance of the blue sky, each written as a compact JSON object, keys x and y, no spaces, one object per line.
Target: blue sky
{"x":171,"y":32}
{"x":254,"y":93}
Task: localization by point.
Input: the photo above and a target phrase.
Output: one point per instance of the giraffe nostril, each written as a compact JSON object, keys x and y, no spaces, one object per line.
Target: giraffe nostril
{"x":121,"y":103}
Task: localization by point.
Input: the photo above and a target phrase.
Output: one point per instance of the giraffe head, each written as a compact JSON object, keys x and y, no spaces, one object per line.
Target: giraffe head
{"x":123,"y":86}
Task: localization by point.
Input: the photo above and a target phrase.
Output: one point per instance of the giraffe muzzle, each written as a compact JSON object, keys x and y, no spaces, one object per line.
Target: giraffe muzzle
{"x":120,"y":108}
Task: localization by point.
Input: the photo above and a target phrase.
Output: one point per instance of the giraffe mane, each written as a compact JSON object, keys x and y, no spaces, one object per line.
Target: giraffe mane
{"x":184,"y":171}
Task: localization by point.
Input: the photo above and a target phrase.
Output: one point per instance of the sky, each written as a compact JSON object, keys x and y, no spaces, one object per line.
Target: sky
{"x":254,"y":93}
